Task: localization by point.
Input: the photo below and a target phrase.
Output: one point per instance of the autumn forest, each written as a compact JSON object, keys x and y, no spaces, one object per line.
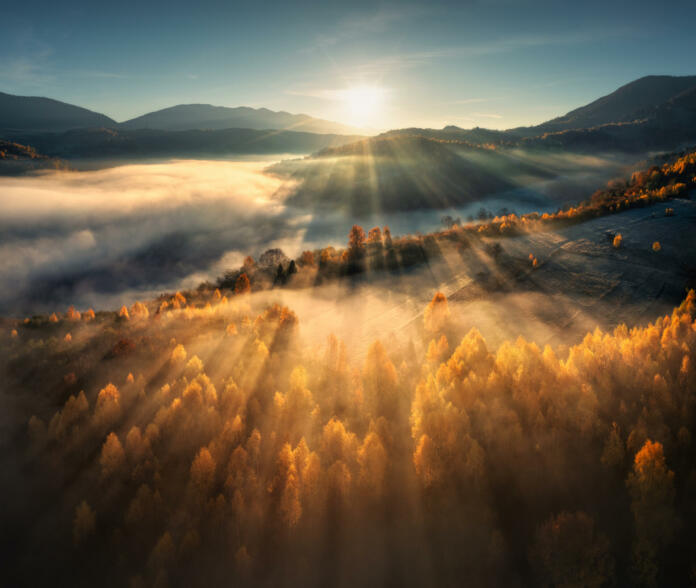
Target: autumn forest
{"x":331,"y":294}
{"x":200,"y":438}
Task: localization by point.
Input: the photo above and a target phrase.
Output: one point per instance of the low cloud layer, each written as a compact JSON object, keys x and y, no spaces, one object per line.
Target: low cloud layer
{"x":83,"y":237}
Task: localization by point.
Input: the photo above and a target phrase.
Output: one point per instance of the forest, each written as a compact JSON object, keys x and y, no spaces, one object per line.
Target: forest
{"x":180,"y":443}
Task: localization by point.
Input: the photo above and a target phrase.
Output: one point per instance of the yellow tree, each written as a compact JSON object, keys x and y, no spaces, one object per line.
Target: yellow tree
{"x":356,"y":238}
{"x":242,"y":285}
{"x":375,"y":235}
{"x":651,"y":484}
{"x":436,"y":313}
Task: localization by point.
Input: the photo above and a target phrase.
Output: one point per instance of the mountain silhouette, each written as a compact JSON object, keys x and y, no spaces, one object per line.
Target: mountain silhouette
{"x":186,"y":117}
{"x":651,"y":113}
{"x":635,"y":101}
{"x":30,"y":113}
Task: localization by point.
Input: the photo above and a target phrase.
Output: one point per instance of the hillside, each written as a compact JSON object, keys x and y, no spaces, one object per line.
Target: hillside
{"x":389,"y":174}
{"x":475,"y":137}
{"x":17,"y":159}
{"x":404,"y":172}
{"x":207,"y":117}
{"x":29,"y":113}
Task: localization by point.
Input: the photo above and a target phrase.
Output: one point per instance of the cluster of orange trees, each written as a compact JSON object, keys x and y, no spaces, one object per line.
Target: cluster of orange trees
{"x":191,"y":446}
{"x":656,"y":184}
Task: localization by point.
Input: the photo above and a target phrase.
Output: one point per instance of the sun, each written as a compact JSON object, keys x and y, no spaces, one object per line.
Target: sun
{"x":363,"y":104}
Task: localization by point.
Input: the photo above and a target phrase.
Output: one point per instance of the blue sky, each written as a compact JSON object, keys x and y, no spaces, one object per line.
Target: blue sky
{"x":493,"y":63}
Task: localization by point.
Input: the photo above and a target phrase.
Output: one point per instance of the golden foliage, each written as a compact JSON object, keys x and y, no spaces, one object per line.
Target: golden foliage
{"x":139,"y":311}
{"x":178,"y":354}
{"x":108,"y":405}
{"x":203,"y":471}
{"x":66,"y":420}
{"x":242,"y":285}
{"x":72,"y":314}
{"x":436,"y":313}
{"x":356,"y":238}
{"x":84,"y":522}
{"x":112,"y":458}
{"x":255,"y":444}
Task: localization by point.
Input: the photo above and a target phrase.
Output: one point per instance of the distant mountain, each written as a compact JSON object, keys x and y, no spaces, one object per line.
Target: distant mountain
{"x":652,"y":113}
{"x":206,"y":117}
{"x":639,"y":100}
{"x":659,"y":125}
{"x":29,"y":113}
{"x":106,"y":143}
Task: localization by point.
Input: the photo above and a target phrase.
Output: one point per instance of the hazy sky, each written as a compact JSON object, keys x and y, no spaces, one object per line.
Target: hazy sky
{"x":494,"y":63}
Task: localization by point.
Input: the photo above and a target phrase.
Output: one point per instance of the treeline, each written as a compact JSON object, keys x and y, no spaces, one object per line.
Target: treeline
{"x":16,"y":158}
{"x":377,"y":251}
{"x":374,"y":251}
{"x":209,"y":446}
{"x":656,"y":184}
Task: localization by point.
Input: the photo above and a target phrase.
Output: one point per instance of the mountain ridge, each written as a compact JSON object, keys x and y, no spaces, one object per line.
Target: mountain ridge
{"x":36,"y":113}
{"x":628,"y":103}
{"x":182,"y":117}
{"x":40,"y":114}
{"x":650,"y":113}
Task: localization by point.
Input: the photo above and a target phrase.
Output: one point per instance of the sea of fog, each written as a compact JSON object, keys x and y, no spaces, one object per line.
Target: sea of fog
{"x":107,"y":237}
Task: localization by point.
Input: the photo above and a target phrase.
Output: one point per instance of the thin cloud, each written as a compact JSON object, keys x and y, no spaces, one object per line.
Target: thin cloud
{"x":24,"y":71}
{"x":92,"y":74}
{"x":469,"y":101}
{"x":329,"y":94}
{"x":409,"y":60}
{"x":487,"y":114}
{"x":355,"y":27}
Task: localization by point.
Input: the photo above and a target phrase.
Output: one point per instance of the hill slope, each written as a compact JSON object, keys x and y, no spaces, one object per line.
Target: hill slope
{"x":403,"y":172}
{"x":17,"y":159}
{"x":30,"y":113}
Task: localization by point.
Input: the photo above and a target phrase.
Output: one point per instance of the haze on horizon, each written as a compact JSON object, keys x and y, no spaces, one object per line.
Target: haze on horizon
{"x":491,"y":63}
